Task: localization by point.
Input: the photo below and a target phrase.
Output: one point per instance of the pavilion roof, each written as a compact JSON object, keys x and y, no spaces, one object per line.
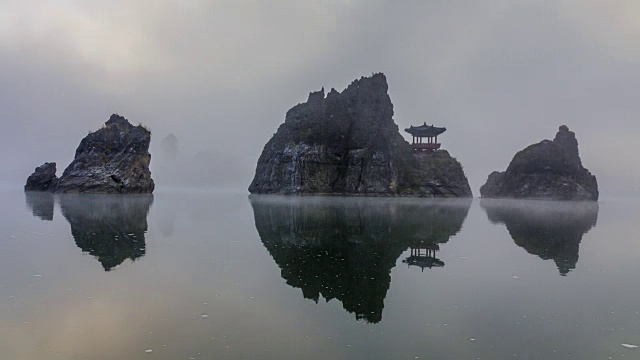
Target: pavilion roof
{"x":425,"y":130}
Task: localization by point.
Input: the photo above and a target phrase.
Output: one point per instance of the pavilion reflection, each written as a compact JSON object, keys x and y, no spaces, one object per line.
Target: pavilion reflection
{"x":345,"y":249}
{"x":550,"y":230}
{"x":40,"y":203}
{"x":109,"y":227}
{"x":424,"y":256}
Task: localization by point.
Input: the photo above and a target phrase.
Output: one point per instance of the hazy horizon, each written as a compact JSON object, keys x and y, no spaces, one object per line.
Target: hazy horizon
{"x":221,"y":75}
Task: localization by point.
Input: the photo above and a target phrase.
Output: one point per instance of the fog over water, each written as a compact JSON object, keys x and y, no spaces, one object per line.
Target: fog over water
{"x":220,"y":75}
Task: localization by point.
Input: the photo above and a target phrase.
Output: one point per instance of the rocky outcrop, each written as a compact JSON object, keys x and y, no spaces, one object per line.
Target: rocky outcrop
{"x":436,"y":174}
{"x":43,"y":178}
{"x":547,"y":170}
{"x":347,"y":143}
{"x":112,"y":160}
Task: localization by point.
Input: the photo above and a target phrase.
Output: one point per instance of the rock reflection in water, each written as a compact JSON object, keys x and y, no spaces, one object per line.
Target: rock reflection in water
{"x":550,"y":230}
{"x":109,"y":227}
{"x":40,"y":203}
{"x":345,"y":249}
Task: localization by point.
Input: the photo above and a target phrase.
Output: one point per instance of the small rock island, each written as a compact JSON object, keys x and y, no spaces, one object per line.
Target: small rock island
{"x":112,"y":160}
{"x":347,"y":143}
{"x":550,"y":170}
{"x":43,"y":178}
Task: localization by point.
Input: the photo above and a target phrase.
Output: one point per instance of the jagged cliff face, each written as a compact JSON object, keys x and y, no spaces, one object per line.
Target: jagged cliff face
{"x":547,"y":170}
{"x":114,"y":159}
{"x":344,"y":143}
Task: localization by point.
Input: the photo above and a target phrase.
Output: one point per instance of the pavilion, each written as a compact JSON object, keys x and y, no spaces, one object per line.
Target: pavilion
{"x":425,"y":131}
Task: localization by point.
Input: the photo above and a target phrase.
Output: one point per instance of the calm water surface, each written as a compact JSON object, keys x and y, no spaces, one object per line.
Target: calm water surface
{"x":211,"y":276}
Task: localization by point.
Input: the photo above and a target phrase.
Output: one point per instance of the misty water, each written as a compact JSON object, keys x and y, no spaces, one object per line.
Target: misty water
{"x":200,"y":275}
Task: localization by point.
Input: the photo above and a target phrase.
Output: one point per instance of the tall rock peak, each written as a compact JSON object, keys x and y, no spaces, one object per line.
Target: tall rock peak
{"x":118,"y":120}
{"x":316,"y":97}
{"x":566,"y":139}
{"x":348,"y":143}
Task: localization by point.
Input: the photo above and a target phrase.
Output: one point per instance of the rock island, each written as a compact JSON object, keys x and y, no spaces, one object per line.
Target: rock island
{"x":347,"y":143}
{"x":114,"y":160}
{"x":550,"y":170}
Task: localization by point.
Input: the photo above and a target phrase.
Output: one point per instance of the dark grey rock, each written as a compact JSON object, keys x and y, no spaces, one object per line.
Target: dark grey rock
{"x":43,"y":178}
{"x":114,"y":159}
{"x":436,"y":174}
{"x":347,"y":143}
{"x":547,"y":170}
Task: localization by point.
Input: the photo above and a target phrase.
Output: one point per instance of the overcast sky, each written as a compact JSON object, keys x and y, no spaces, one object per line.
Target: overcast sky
{"x":220,"y":75}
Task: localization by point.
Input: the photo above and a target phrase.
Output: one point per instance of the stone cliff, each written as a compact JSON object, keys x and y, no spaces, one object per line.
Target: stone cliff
{"x":547,"y":170}
{"x":347,"y":143}
{"x":114,"y":159}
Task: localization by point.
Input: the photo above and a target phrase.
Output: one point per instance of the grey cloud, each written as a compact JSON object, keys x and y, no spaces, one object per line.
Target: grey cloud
{"x":220,"y":75}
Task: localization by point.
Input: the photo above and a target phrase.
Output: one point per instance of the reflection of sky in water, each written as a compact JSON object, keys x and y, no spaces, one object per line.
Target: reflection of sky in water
{"x":235,"y":261}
